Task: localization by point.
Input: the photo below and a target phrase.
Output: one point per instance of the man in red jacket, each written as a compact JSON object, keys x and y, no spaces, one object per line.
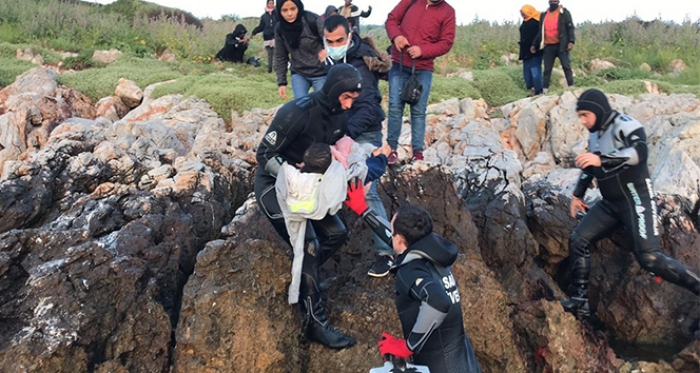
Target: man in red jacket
{"x":420,"y":31}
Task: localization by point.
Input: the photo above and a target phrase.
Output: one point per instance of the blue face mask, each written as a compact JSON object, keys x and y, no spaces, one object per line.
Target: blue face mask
{"x":338,"y":53}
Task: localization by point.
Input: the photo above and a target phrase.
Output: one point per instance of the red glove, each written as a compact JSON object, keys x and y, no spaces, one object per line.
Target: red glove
{"x":356,"y":197}
{"x":390,"y":345}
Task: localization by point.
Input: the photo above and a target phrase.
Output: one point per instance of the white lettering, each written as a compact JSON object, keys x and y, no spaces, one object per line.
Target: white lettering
{"x":639,"y":209}
{"x":650,"y":190}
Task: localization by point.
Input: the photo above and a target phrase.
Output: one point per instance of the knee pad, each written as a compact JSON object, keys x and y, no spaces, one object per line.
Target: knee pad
{"x":312,"y":248}
{"x":651,"y":262}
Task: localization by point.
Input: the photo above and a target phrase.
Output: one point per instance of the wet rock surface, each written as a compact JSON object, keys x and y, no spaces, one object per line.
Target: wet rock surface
{"x":120,"y":250}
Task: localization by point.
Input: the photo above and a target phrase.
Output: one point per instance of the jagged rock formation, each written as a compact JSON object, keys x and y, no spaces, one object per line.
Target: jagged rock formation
{"x":120,"y":250}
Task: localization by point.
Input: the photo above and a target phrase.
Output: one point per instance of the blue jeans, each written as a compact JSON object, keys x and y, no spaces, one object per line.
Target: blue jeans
{"x":397,"y":79}
{"x":301,"y":84}
{"x":532,"y":72}
{"x":372,"y":197}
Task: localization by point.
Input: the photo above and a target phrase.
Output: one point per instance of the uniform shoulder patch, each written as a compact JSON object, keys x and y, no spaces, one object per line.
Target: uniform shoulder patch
{"x":271,"y":137}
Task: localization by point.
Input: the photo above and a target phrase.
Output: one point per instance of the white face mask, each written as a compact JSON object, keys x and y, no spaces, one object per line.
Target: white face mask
{"x":338,"y":53}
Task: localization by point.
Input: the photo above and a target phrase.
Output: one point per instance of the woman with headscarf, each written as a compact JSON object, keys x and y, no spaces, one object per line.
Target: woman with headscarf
{"x":267,"y":26}
{"x":235,"y":47}
{"x":298,"y":41}
{"x":532,"y":62}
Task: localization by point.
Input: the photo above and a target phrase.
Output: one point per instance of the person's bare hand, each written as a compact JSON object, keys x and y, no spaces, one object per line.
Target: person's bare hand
{"x":400,"y":42}
{"x":586,"y":160}
{"x":570,"y":46}
{"x":386,"y":150}
{"x":533,"y":50}
{"x":322,"y":55}
{"x":282,"y":90}
{"x":415,"y":52}
{"x":577,"y":205}
{"x":300,"y":165}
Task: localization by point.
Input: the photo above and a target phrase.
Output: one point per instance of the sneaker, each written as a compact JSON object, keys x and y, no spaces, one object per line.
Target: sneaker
{"x":381,"y":266}
{"x":545,"y":90}
{"x":392,"y":158}
{"x":417,"y":156}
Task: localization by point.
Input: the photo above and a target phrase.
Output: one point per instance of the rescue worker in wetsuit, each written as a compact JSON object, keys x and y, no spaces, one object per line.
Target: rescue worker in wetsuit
{"x":319,"y":117}
{"x":427,"y":298}
{"x":617,"y":158}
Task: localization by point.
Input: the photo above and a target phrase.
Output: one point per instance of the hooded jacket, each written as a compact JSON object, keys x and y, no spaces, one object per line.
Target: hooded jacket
{"x":317,"y":117}
{"x":366,"y":113}
{"x":304,"y":60}
{"x":429,"y":306}
{"x":566,"y":30}
{"x":268,"y":21}
{"x":429,"y":26}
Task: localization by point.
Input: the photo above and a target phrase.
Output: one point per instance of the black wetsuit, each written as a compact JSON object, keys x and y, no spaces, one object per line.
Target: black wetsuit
{"x":297,"y":125}
{"x":429,"y":307}
{"x":628,"y":201}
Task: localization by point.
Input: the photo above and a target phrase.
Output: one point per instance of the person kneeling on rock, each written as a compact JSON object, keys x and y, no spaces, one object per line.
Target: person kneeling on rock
{"x":617,"y":158}
{"x":316,"y":118}
{"x":427,"y":299}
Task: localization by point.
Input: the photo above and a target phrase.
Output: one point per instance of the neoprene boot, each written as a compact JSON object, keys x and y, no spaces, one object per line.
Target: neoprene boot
{"x":315,"y":320}
{"x":578,"y":301}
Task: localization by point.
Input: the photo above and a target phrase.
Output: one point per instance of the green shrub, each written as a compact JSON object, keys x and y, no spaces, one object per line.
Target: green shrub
{"x":634,"y":87}
{"x":101,"y":82}
{"x":622,"y":73}
{"x":444,"y":89}
{"x":497,"y":88}
{"x":11,"y":68}
{"x":245,"y":90}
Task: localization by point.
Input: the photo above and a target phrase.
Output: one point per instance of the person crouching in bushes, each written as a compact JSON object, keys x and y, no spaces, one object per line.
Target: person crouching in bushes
{"x":235,"y":47}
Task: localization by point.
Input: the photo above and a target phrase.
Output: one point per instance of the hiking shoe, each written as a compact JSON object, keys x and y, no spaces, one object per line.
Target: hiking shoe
{"x":381,"y":266}
{"x":417,"y":156}
{"x":392,"y":158}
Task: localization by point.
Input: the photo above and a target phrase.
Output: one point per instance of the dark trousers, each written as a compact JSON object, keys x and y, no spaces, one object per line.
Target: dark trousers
{"x":322,"y":239}
{"x":551,"y":52}
{"x":637,"y":216}
{"x":270,"y":58}
{"x":532,"y":73}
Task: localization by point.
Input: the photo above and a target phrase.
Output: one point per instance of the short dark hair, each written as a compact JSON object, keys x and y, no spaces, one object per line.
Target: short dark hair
{"x":331,"y":23}
{"x":413,"y":223}
{"x":317,"y":158}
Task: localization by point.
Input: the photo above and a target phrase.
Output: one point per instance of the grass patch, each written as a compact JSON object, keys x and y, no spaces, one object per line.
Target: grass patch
{"x":101,"y":82}
{"x":623,"y":73}
{"x":634,"y":87}
{"x":8,"y":50}
{"x":444,"y":89}
{"x":11,"y":68}
{"x":244,"y":90}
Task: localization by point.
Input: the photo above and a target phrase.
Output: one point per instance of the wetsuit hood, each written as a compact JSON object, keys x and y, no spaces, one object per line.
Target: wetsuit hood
{"x":432,"y":248}
{"x":595,"y":101}
{"x":341,"y":78}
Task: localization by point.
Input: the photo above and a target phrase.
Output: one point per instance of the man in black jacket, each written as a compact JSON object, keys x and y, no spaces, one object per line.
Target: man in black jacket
{"x":366,"y":115}
{"x":617,"y":158}
{"x":427,"y":297}
{"x":353,"y":14}
{"x":235,"y":47}
{"x":556,"y":37}
{"x":267,"y":26}
{"x":317,"y":118}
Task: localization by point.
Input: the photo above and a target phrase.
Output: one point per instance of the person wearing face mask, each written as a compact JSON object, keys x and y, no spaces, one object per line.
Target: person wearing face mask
{"x":366,"y":115}
{"x":420,"y":31}
{"x":316,"y":118}
{"x":556,"y":38}
{"x":617,"y":158}
{"x":299,"y":43}
{"x":268,"y":21}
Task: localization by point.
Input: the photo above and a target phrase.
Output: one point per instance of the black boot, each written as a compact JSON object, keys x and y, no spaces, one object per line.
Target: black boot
{"x":315,"y":321}
{"x":578,"y":302}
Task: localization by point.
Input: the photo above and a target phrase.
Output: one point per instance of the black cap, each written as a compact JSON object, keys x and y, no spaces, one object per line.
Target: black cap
{"x":342,"y":78}
{"x":595,"y":101}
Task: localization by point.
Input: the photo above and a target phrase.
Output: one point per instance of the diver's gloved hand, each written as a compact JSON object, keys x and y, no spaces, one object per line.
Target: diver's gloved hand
{"x":356,"y":197}
{"x":390,"y":345}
